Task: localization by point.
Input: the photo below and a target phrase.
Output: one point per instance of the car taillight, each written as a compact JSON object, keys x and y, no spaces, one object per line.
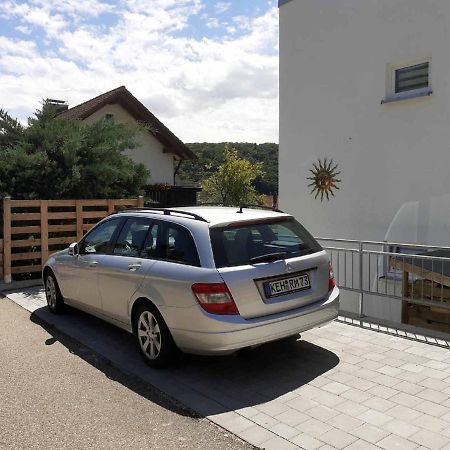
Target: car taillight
{"x":331,"y":279}
{"x":215,"y":298}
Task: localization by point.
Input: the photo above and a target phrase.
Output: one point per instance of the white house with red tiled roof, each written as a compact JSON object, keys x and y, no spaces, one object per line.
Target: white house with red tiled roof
{"x":160,"y":150}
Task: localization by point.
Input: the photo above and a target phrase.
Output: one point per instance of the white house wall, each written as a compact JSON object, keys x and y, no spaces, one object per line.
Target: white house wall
{"x":150,"y":152}
{"x":394,"y":157}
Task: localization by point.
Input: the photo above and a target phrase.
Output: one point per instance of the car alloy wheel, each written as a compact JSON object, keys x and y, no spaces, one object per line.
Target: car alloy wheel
{"x":55,"y":300}
{"x":156,"y":344}
{"x":149,"y":335}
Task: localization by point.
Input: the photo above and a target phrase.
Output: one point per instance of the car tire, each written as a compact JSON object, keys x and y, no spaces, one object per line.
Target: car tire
{"x":55,"y":301}
{"x":153,"y":337}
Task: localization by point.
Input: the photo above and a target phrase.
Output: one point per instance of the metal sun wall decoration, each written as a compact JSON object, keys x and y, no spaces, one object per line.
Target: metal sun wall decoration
{"x":324,"y":178}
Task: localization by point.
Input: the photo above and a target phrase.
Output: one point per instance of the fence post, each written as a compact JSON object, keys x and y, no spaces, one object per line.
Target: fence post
{"x":79,"y":218}
{"x":361,"y":274}
{"x":141,"y":201}
{"x":44,"y":231}
{"x":110,"y":206}
{"x":7,"y":239}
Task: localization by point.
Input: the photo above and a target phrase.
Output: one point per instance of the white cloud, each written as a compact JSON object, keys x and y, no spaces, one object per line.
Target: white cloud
{"x":212,"y":22}
{"x":221,"y":7}
{"x":203,"y":89}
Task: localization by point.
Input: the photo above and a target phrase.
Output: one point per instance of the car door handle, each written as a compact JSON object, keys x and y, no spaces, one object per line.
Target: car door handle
{"x":93,"y":263}
{"x":134,"y":266}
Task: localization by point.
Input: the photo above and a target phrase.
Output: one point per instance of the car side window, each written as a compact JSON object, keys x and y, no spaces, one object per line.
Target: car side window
{"x":132,"y":237}
{"x":99,"y":239}
{"x":177,"y":245}
{"x":150,"y":248}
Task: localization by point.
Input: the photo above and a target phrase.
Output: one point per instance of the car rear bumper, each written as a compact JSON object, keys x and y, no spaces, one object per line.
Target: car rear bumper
{"x":240,"y":333}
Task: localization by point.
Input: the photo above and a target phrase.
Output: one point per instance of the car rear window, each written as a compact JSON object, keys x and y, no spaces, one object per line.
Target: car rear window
{"x":261,"y":241}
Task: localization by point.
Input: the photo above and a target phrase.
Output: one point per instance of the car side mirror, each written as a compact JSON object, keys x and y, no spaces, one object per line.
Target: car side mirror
{"x":73,"y":249}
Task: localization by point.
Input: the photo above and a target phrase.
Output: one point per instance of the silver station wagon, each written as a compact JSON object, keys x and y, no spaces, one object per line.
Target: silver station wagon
{"x":204,"y":280}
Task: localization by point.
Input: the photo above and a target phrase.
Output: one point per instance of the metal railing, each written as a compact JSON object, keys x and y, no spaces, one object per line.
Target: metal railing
{"x":411,"y":273}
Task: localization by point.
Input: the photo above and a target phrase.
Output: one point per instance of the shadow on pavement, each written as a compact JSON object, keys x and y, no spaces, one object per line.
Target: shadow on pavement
{"x":206,"y":385}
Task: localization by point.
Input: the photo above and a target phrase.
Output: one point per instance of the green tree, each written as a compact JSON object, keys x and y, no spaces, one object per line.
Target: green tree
{"x":56,"y":158}
{"x":232,"y":183}
{"x":210,"y":156}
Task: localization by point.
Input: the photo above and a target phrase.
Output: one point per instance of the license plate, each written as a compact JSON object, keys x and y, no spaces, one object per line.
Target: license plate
{"x":287,"y":285}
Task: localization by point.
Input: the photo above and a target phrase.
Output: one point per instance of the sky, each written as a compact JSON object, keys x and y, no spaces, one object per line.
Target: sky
{"x":207,"y":69}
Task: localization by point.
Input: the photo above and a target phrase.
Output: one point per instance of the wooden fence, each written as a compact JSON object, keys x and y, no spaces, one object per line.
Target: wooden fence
{"x":34,"y":229}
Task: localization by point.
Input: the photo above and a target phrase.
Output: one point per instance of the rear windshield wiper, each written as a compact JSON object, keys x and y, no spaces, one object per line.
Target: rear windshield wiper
{"x":269,"y":257}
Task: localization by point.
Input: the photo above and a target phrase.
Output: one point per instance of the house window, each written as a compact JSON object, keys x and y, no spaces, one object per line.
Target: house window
{"x":109,"y":116}
{"x":408,"y":81}
{"x":412,"y":78}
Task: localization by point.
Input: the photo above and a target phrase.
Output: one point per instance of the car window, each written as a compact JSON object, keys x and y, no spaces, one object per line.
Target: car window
{"x":99,"y":239}
{"x":260,"y":242}
{"x":132,"y":237}
{"x":177,"y":245}
{"x":150,"y":246}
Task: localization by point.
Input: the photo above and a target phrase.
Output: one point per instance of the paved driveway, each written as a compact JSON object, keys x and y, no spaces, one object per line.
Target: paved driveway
{"x":338,"y":387}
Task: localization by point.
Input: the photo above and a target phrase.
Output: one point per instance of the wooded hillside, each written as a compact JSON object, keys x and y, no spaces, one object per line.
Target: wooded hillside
{"x":210,"y":156}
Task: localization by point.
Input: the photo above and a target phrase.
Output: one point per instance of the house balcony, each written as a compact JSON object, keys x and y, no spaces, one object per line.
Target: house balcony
{"x":164,"y":195}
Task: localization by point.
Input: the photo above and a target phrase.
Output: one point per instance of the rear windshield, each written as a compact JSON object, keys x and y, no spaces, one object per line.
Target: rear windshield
{"x":261,"y":242}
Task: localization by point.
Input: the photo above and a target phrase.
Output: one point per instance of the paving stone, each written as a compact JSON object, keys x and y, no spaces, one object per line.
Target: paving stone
{"x":409,"y":388}
{"x":401,"y":428}
{"x":361,"y":445}
{"x":383,"y":391}
{"x":278,"y":443}
{"x":356,"y":395}
{"x":433,"y":395}
{"x":379,"y":404}
{"x":336,"y":388}
{"x":433,"y":373}
{"x":302,"y":403}
{"x":345,"y":422}
{"x":351,"y":408}
{"x":432,"y":383}
{"x":412,"y":377}
{"x":272,"y":408}
{"x":405,"y":399}
{"x":416,"y":368}
{"x":234,"y":423}
{"x":374,"y":417}
{"x":256,"y":435}
{"x":387,"y":380}
{"x":404,"y":413}
{"x":370,"y":433}
{"x":389,"y":370}
{"x":308,"y":391}
{"x":432,"y":409}
{"x":322,"y":413}
{"x":337,"y":438}
{"x":283,"y":430}
{"x":292,"y":417}
{"x":329,"y":399}
{"x":248,"y":412}
{"x":314,"y":427}
{"x":394,"y":442}
{"x":429,"y":439}
{"x":264,"y":420}
{"x":304,"y":440}
{"x":430,"y":423}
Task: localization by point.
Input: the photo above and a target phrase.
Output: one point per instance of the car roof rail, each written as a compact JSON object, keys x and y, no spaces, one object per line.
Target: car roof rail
{"x":256,"y":206}
{"x":165,"y":211}
{"x":249,"y":206}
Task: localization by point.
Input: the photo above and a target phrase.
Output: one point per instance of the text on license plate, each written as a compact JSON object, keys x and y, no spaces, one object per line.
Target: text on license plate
{"x":287,"y":285}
